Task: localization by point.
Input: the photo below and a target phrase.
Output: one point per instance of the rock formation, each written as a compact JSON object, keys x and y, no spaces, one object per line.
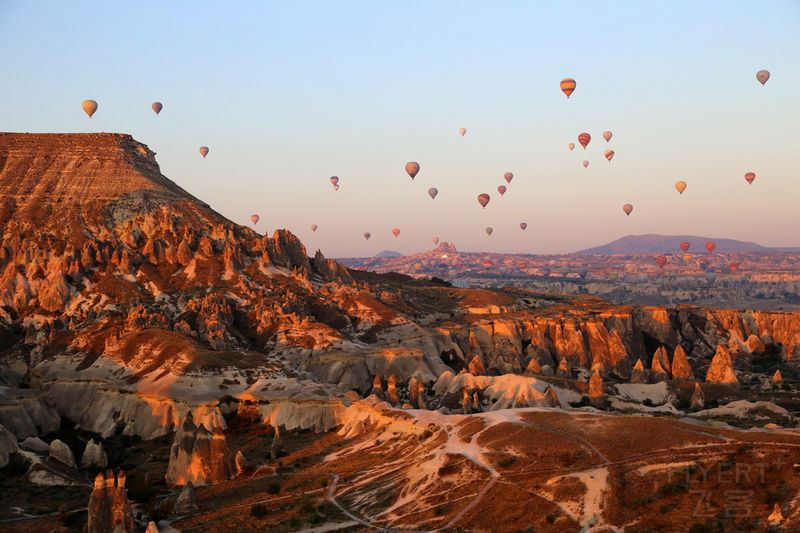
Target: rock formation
{"x":659,"y":369}
{"x":597,"y":394}
{"x":638,"y":374}
{"x":109,"y":508}
{"x":276,"y":449}
{"x":392,"y":396}
{"x":200,"y":456}
{"x":681,"y":369}
{"x":721,"y":369}
{"x":151,"y":527}
{"x":62,"y":453}
{"x":698,"y":400}
{"x":777,"y":378}
{"x":187,"y":502}
{"x":94,"y":455}
{"x":8,"y":445}
{"x":564,"y":370}
{"x":241,"y":462}
{"x":776,"y":517}
{"x":476,"y":367}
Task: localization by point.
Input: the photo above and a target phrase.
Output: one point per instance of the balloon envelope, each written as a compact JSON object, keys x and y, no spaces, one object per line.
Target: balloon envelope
{"x":582,"y":271}
{"x":734,"y":266}
{"x":89,"y":106}
{"x":436,"y":240}
{"x":762,"y":76}
{"x":255,"y":219}
{"x":568,"y":86}
{"x":489,"y":231}
{"x":336,"y":187}
{"x":585,"y":164}
{"x":710,"y":245}
{"x":523,"y":225}
{"x":395,"y":232}
{"x":412,"y":168}
{"x":607,"y":135}
{"x":684,"y":246}
{"x":609,"y":154}
{"x":571,"y":146}
{"x":661,"y":260}
{"x":334,"y":179}
{"x":367,"y":235}
{"x":627,"y":208}
{"x":313,"y":227}
{"x":204,"y":151}
{"x":157,"y":107}
{"x":681,"y":186}
{"x":711,"y":275}
{"x":462,"y":131}
{"x":508,"y":176}
{"x":750,"y":176}
{"x":483,"y":199}
{"x":432,"y":192}
{"x":502,"y":189}
{"x":584,"y":139}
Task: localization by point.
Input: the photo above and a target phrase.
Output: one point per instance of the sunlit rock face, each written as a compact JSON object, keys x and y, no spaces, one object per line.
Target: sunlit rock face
{"x":200,"y":456}
{"x":721,"y":369}
{"x":109,"y":507}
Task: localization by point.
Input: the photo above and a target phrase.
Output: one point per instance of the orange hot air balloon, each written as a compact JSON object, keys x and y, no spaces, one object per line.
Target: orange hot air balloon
{"x":336,"y":187}
{"x":687,"y":258}
{"x":508,"y":176}
{"x":585,"y":164}
{"x":462,"y":131}
{"x":710,"y":247}
{"x":313,"y":227}
{"x":157,"y":107}
{"x":489,"y":231}
{"x":334,"y":180}
{"x":412,"y":168}
{"x":255,"y":219}
{"x":367,"y":235}
{"x":483,"y":199}
{"x":568,"y":85}
{"x":89,"y":107}
{"x":609,"y":154}
{"x":681,"y":186}
{"x":584,"y":139}
{"x":750,"y":176}
{"x":762,"y":76}
{"x":523,"y":225}
{"x":204,"y":151}
{"x":627,"y":208}
{"x":432,"y":192}
{"x":395,"y":232}
{"x":607,"y":135}
{"x":734,"y":266}
{"x":502,"y":189}
{"x":436,"y":240}
{"x":661,"y":261}
{"x":571,"y":146}
{"x":684,"y":246}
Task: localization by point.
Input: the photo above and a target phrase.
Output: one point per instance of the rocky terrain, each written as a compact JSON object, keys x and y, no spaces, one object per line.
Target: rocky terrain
{"x":141,"y":331}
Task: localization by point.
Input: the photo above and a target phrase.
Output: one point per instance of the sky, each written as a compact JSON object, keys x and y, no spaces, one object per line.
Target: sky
{"x":287,"y":94}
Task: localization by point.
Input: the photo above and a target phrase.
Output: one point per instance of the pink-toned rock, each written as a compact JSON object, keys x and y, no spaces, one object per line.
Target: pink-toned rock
{"x":777,"y":377}
{"x":476,"y":367}
{"x":755,"y":345}
{"x":597,"y":394}
{"x":659,"y":369}
{"x":109,"y":508}
{"x":721,"y":369}
{"x":681,"y":369}
{"x":392,"y":396}
{"x":638,"y":374}
{"x":564,"y":370}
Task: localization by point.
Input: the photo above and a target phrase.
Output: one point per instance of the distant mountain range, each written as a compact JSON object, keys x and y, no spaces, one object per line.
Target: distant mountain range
{"x":388,"y":253}
{"x":651,"y":244}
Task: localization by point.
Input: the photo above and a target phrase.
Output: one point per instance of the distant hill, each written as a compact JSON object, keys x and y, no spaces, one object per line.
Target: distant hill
{"x":388,"y":253}
{"x":651,"y":244}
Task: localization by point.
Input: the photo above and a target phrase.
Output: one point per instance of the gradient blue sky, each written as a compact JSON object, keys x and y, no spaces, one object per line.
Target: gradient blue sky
{"x":287,"y":94}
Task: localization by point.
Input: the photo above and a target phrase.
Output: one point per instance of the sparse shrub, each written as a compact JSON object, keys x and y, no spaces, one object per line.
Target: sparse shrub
{"x":684,"y":404}
{"x":294,"y":522}
{"x":425,"y":434}
{"x":551,"y":518}
{"x":506,"y":461}
{"x":17,"y":465}
{"x":323,"y":482}
{"x":439,"y":510}
{"x":647,"y":402}
{"x":259,"y":510}
{"x":700,"y":528}
{"x":583,"y":403}
{"x":664,"y":508}
{"x":786,"y":386}
{"x":273,"y":488}
{"x":306,"y":508}
{"x":667,"y":489}
{"x":640,"y":501}
{"x":316,"y":518}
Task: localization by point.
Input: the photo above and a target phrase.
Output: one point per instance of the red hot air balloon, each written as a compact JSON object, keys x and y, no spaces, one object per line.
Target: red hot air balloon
{"x":750,"y":176}
{"x":255,"y":219}
{"x":412,"y":168}
{"x":502,"y":189}
{"x":483,"y":199}
{"x":684,"y":246}
{"x":395,"y":232}
{"x":157,"y":107}
{"x":609,"y":154}
{"x":204,"y":151}
{"x":487,"y":264}
{"x":313,"y":227}
{"x":508,"y":176}
{"x":627,"y":208}
{"x":734,"y":266}
{"x":568,"y":86}
{"x":367,"y":235}
{"x":584,"y":139}
{"x":661,"y":261}
{"x":523,"y":225}
{"x":607,"y":135}
{"x":710,"y":247}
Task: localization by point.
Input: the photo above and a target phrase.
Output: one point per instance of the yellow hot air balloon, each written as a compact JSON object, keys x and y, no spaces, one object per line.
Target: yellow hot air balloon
{"x":607,"y":135}
{"x":762,"y":76}
{"x":568,"y":85}
{"x":462,"y":131}
{"x":204,"y":151}
{"x":89,"y":106}
{"x":412,"y":167}
{"x":627,"y":208}
{"x":681,"y":186}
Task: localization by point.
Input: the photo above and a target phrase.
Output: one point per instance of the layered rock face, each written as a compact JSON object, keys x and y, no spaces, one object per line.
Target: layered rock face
{"x":200,"y":456}
{"x":109,"y":507}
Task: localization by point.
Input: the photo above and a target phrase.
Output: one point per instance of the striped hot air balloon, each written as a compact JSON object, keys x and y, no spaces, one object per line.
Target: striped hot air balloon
{"x":502,"y":189}
{"x":609,"y":154}
{"x":734,"y":266}
{"x":661,"y":261}
{"x":750,"y":176}
{"x":684,"y":246}
{"x":523,"y":225}
{"x":584,"y":139}
{"x":483,"y":199}
{"x":568,"y":85}
{"x":710,"y":245}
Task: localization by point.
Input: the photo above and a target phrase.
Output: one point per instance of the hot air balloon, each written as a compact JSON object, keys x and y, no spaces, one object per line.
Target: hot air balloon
{"x":687,"y":258}
{"x":502,"y":189}
{"x":564,"y":270}
{"x":522,"y":265}
{"x":432,"y":192}
{"x":582,"y":271}
{"x":710,"y":247}
{"x":703,"y":264}
{"x":255,"y":219}
{"x":483,"y":199}
{"x":367,"y":235}
{"x":489,"y":231}
{"x":508,"y":176}
{"x":762,"y":76}
{"x":681,"y":186}
{"x":204,"y":151}
{"x":568,"y":85}
{"x":585,"y":164}
{"x":711,"y":275}
{"x":613,"y":276}
{"x":89,"y":106}
{"x":584,"y":139}
{"x":313,"y":227}
{"x":412,"y":167}
{"x":684,"y":246}
{"x":571,"y":146}
{"x":157,"y":107}
{"x":607,"y":135}
{"x":395,"y":232}
{"x":336,"y":187}
{"x":523,"y":225}
{"x":750,"y":176}
{"x":436,"y":240}
{"x":462,"y":131}
{"x":334,"y":180}
{"x":545,"y":272}
{"x":627,"y":208}
{"x":734,"y":266}
{"x":609,"y":154}
{"x":487,"y":264}
{"x":661,"y":261}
